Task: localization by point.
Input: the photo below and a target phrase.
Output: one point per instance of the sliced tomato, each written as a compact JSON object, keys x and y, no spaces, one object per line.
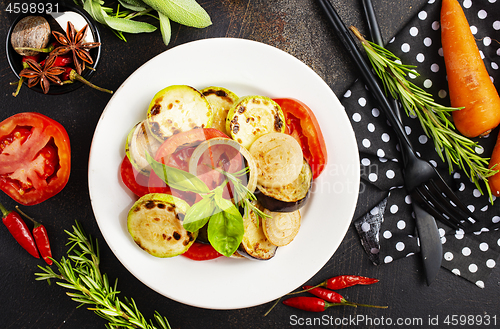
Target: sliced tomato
{"x":134,"y":180}
{"x":304,"y":127}
{"x":176,"y":152}
{"x":35,"y":157}
{"x":201,"y":251}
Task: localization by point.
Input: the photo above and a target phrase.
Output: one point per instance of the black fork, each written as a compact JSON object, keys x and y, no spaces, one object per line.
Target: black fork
{"x":422,"y":180}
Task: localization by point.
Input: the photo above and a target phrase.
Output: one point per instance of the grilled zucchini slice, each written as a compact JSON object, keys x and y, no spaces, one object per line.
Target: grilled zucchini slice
{"x":254,"y":116}
{"x":221,"y":100}
{"x":155,"y":224}
{"x":176,"y":109}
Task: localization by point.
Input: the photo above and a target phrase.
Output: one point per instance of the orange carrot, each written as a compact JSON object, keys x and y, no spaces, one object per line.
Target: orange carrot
{"x":494,"y":181}
{"x":469,"y":83}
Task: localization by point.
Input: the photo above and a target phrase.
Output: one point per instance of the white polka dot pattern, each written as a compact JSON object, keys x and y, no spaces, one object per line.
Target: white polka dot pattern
{"x":387,"y":230}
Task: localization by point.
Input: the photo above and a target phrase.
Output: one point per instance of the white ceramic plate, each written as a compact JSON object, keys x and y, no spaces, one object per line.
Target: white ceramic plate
{"x":247,"y":68}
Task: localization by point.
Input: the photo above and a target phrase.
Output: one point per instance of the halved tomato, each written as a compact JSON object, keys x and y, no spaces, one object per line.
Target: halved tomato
{"x":35,"y":157}
{"x":304,"y":127}
{"x":201,"y":251}
{"x":134,"y":180}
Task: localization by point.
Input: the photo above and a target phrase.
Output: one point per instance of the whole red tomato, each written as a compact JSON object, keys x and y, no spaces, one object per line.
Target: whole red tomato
{"x":35,"y":157}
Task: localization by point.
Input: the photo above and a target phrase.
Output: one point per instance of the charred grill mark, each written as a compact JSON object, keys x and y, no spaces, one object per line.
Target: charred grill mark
{"x":241,"y":109}
{"x":150,"y":205}
{"x":278,"y":123}
{"x":156,"y":109}
{"x":176,"y":236}
{"x":235,"y":126}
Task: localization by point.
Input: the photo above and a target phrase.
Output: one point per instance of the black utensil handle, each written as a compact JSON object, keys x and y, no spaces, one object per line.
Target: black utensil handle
{"x":376,"y":35}
{"x":370,"y":80}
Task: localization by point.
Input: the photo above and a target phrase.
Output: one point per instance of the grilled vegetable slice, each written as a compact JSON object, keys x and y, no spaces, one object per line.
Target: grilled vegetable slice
{"x":254,"y":244}
{"x":279,"y":159}
{"x":221,"y":100}
{"x":155,"y":224}
{"x":176,"y":109}
{"x":287,"y":198}
{"x":282,"y":227}
{"x":140,"y":140}
{"x":252,"y":117}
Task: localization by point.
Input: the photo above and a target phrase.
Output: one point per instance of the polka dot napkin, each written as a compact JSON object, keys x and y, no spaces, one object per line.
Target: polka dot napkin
{"x":387,"y":230}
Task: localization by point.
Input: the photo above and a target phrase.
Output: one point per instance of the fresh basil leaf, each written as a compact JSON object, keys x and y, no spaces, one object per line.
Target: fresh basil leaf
{"x":199,"y":214}
{"x":225,"y":230}
{"x":166,"y":31}
{"x":177,"y":178}
{"x":128,"y":25}
{"x":185,"y":12}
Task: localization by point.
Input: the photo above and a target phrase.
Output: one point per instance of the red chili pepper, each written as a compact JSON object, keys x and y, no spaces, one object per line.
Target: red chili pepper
{"x":311,"y":304}
{"x":41,"y":239}
{"x":344,"y":281}
{"x":34,"y":57}
{"x":333,"y":297}
{"x":19,"y":230}
{"x":63,"y":60}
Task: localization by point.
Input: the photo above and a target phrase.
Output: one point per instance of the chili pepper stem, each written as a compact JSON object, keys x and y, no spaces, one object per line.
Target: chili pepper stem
{"x":40,"y":50}
{"x":28,"y":217}
{"x":4,"y":210}
{"x":75,"y":76}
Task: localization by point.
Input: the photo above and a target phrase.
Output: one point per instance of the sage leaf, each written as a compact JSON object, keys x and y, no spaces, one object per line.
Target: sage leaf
{"x":129,"y":26}
{"x":95,"y":10}
{"x":225,"y":230}
{"x":166,"y":31}
{"x":199,"y":214}
{"x":177,"y":178}
{"x":185,"y":12}
{"x":135,"y":5}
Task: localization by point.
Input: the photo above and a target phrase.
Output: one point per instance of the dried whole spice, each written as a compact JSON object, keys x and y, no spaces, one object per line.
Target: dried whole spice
{"x":30,"y":32}
{"x":74,"y":41}
{"x":36,"y":74}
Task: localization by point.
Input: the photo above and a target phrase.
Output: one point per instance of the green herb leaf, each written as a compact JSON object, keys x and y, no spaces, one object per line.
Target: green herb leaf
{"x":128,"y":26}
{"x":166,"y":30}
{"x":95,"y":10}
{"x":199,"y":214}
{"x":81,"y":274}
{"x":177,"y":178}
{"x":135,"y":5}
{"x":225,"y":230}
{"x":186,"y":12}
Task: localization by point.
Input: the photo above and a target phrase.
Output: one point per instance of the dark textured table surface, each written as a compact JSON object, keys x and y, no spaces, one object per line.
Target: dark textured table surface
{"x":299,"y":28}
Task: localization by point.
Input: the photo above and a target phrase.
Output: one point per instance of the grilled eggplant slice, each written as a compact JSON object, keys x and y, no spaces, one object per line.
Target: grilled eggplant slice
{"x":155,"y":224}
{"x":254,"y":244}
{"x":279,"y":159}
{"x":254,"y":116}
{"x":290,"y":197}
{"x":221,"y":100}
{"x":281,"y":227}
{"x":140,"y":140}
{"x":176,"y":109}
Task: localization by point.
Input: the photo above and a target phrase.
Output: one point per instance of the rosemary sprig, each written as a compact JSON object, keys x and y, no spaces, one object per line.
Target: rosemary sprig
{"x":452,"y":147}
{"x":80,"y":273}
{"x":242,"y":195}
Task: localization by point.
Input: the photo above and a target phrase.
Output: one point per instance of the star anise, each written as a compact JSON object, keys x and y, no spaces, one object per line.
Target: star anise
{"x":36,"y":74}
{"x":74,"y":41}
